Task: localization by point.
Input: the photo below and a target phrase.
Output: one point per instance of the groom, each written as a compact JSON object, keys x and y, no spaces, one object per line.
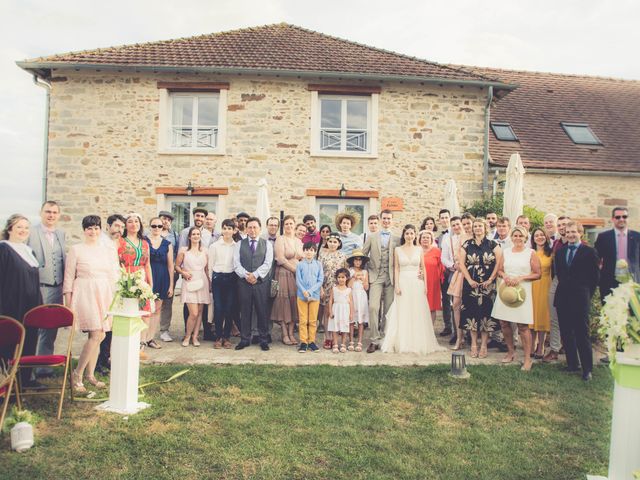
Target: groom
{"x":379,"y":247}
{"x":252,"y":259}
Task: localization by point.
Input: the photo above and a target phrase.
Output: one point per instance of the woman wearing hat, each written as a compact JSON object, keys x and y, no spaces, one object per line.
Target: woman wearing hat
{"x":350,"y":241}
{"x":359,"y":285}
{"x":518,"y":267}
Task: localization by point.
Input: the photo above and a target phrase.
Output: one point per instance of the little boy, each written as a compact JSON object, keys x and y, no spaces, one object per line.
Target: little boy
{"x":309,"y":279}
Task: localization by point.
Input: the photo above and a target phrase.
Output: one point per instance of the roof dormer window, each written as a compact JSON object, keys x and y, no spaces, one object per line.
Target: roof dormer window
{"x":504,"y":132}
{"x":580,"y":133}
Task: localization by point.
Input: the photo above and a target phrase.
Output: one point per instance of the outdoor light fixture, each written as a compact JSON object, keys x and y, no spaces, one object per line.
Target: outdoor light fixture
{"x":190,"y":189}
{"x":343,"y":191}
{"x":458,"y":366}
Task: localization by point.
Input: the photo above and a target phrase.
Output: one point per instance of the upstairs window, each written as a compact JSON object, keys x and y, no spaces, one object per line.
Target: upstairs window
{"x":503,"y":131}
{"x":580,"y":133}
{"x":194,"y":120}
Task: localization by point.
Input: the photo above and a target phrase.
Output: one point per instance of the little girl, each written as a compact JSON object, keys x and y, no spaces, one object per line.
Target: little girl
{"x":359,"y":284}
{"x":341,"y":307}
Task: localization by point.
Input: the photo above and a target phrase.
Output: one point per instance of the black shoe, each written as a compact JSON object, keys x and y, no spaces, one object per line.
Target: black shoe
{"x":571,"y":370}
{"x":446,"y":332}
{"x":255,"y":340}
{"x":493,"y":344}
{"x":503,"y":348}
{"x":269,"y":339}
{"x":313,"y":347}
{"x":242,"y":344}
{"x":34,"y":385}
{"x":587,"y":377}
{"x":453,"y":340}
{"x":302,"y":348}
{"x":264,"y":346}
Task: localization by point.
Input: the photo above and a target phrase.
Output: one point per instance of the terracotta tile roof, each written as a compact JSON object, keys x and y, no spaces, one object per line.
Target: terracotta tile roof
{"x":279,"y":47}
{"x":543,"y":100}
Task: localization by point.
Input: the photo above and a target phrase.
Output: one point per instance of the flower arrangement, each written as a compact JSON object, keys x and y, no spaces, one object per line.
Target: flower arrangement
{"x":17,"y":416}
{"x":620,"y":316}
{"x":133,"y":285}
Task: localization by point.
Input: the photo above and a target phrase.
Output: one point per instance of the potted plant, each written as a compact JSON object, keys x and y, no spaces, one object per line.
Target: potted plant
{"x":20,"y":424}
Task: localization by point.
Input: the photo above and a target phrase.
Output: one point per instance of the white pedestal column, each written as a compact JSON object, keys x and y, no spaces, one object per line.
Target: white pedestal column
{"x":125,"y":366}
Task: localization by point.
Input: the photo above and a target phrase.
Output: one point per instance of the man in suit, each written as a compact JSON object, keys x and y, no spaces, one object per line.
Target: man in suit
{"x":619,"y":243}
{"x":379,"y":247}
{"x":577,"y":271}
{"x":47,"y":243}
{"x":444,"y":219}
{"x":252,"y":261}
{"x":492,"y":220}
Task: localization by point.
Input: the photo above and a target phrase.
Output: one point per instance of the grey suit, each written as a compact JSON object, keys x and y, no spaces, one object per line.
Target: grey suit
{"x":380,"y":270}
{"x":51,"y":270}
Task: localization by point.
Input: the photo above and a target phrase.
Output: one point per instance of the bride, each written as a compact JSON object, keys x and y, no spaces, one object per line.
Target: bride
{"x":409,"y":327}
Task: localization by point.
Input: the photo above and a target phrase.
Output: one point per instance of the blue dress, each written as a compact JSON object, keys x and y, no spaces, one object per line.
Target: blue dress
{"x":159,"y":269}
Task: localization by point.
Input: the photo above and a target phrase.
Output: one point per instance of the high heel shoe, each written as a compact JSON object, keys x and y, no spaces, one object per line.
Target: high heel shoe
{"x":78,"y":386}
{"x":474,"y":352}
{"x":95,"y":382}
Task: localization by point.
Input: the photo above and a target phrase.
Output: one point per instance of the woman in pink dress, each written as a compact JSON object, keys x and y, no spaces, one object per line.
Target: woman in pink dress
{"x":434,"y":271}
{"x":90,"y":275}
{"x":192,"y":263}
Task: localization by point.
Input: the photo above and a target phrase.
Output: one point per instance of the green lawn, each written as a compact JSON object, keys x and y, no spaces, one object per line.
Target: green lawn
{"x":327,"y":422}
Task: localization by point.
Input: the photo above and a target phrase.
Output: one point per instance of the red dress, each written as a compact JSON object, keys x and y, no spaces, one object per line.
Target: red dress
{"x":134,"y":256}
{"x":434,"y":275}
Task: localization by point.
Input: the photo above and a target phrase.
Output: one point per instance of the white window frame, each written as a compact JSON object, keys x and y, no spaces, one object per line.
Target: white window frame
{"x":370,"y":205}
{"x":164,"y":134}
{"x":372,"y":126}
{"x":165,"y":200}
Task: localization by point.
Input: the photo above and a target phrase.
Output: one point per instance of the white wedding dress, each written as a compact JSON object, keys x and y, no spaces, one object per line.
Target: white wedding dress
{"x":409,"y":328}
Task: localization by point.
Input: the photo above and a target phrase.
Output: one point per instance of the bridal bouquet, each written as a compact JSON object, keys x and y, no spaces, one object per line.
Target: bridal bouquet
{"x":133,"y":285}
{"x":620,"y":316}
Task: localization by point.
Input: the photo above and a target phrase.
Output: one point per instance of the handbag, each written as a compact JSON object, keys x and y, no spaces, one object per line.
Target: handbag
{"x":194,"y":285}
{"x":275,"y":286}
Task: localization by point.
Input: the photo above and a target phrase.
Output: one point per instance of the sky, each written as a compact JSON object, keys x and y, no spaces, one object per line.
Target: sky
{"x":586,"y":37}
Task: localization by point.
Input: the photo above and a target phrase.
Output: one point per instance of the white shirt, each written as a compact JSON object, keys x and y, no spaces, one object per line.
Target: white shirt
{"x":448,"y":243}
{"x":262,"y":271}
{"x":506,"y":243}
{"x":221,"y":256}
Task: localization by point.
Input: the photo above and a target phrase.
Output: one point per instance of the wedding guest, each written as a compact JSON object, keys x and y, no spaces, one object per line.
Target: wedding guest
{"x":576,"y":266}
{"x":503,"y":230}
{"x":518,"y":267}
{"x":555,"y":343}
{"x":350,"y":241}
{"x":242,"y":219}
{"x":252,"y":260}
{"x":19,"y":285}
{"x":373,"y":224}
{"x":332,"y":260}
{"x":434,"y":270}
{"x":309,"y":279}
{"x":300,"y":231}
{"x":288,"y":252}
{"x":466,"y":219}
{"x":540,"y":290}
{"x":341,"y":307}
{"x":167,"y":305}
{"x":359,"y":285}
{"x":380,"y":247}
{"x":325,"y":231}
{"x":133,"y":253}
{"x":273,"y":225}
{"x":192,"y":264}
{"x":223,"y":284}
{"x":444,"y":219}
{"x":551,"y":227}
{"x":477,"y":262}
{"x":48,"y":245}
{"x":492,"y":221}
{"x":210,"y":225}
{"x":161,"y":260}
{"x":312,"y":234}
{"x":429,"y":224}
{"x":524,"y":222}
{"x":91,"y":273}
{"x":451,"y":254}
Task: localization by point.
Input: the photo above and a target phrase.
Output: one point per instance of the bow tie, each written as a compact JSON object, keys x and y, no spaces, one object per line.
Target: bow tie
{"x":384,"y":233}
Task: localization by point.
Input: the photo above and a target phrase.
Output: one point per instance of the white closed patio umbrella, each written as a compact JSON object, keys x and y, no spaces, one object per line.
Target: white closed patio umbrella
{"x":513,"y":189}
{"x":451,"y":198}
{"x":262,"y":204}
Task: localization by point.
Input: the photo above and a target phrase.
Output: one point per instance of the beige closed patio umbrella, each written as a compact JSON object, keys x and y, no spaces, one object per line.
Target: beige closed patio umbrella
{"x":513,"y":189}
{"x":262,"y":204}
{"x":451,"y":198}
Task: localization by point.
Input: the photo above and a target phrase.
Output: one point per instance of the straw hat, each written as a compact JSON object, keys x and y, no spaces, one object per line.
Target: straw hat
{"x":512,"y":296}
{"x":357,"y":253}
{"x":342,"y":216}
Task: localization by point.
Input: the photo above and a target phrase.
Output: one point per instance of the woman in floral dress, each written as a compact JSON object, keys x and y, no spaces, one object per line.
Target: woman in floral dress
{"x":332,"y":260}
{"x":478,"y":265}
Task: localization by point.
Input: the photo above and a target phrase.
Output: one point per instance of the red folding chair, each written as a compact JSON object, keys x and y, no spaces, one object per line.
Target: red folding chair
{"x":49,"y":316}
{"x":11,"y":340}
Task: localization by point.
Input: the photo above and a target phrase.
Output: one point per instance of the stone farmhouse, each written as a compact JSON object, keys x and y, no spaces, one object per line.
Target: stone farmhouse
{"x":331,"y":125}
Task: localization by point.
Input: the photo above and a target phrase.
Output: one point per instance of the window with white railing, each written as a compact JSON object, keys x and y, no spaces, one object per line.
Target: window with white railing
{"x":344,"y":125}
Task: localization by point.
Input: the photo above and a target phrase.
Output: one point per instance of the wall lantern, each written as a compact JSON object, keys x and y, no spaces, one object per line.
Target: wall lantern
{"x":343,"y":191}
{"x":190,"y":189}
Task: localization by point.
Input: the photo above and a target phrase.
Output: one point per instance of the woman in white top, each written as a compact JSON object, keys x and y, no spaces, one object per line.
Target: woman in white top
{"x":223,"y":284}
{"x":518,"y":265}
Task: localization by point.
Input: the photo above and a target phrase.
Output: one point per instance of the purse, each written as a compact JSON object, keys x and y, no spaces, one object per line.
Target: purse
{"x":275,"y":286}
{"x":194,"y":285}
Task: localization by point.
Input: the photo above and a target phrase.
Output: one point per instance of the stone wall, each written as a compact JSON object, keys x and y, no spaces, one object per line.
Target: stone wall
{"x":103,"y":150}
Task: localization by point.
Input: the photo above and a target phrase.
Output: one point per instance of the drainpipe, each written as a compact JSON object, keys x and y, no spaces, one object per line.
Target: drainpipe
{"x":45,"y":167}
{"x":485,"y":160}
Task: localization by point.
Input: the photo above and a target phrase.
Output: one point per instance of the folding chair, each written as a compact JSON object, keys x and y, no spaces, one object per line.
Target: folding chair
{"x":50,"y":316}
{"x":11,"y":341}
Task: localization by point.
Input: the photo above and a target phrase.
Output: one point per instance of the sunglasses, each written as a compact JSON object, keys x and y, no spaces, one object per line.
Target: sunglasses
{"x":156,"y":226}
{"x":620,"y":217}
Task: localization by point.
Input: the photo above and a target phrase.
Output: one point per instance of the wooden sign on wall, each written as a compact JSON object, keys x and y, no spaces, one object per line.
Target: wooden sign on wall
{"x":395,"y":204}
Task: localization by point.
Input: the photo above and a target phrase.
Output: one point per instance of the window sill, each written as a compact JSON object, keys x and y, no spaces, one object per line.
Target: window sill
{"x":322,"y":154}
{"x":190,"y":151}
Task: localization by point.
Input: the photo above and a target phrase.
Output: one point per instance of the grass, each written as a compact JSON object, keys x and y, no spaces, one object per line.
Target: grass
{"x":324,"y":422}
